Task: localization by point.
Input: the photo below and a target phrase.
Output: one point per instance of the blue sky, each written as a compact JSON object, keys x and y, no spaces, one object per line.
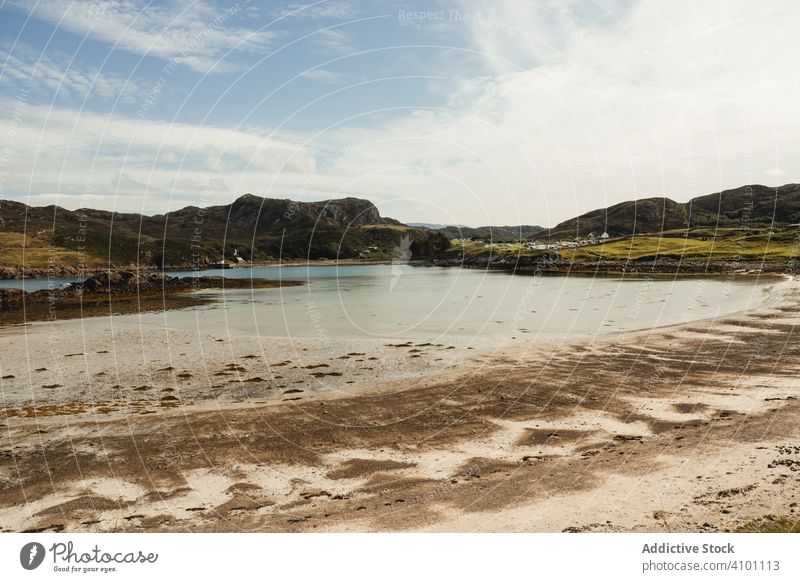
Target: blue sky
{"x":456,"y":111}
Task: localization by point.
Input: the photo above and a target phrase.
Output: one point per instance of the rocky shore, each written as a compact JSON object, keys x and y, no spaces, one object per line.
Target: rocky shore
{"x":126,"y":291}
{"x":524,"y":264}
{"x":129,"y":283}
{"x":545,"y":266}
{"x":56,"y":272}
{"x":73,"y":272}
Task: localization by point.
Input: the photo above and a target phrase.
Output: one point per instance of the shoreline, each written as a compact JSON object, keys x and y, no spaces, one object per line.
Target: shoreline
{"x":618,"y":268}
{"x":8,"y":273}
{"x":133,"y":293}
{"x":522,"y":265}
{"x":119,"y":292}
{"x":608,"y":434}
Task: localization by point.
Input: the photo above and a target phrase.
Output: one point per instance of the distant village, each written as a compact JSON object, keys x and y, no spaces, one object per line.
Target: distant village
{"x":591,"y":239}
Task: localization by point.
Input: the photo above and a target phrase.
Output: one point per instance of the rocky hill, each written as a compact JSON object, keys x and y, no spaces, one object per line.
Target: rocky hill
{"x":754,"y":206}
{"x":492,"y":233}
{"x":258,"y":228}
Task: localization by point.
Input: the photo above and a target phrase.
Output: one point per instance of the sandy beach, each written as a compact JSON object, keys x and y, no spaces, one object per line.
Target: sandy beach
{"x":690,"y":427}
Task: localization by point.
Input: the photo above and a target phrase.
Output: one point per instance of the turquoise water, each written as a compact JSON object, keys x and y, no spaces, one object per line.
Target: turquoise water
{"x":35,"y":284}
{"x":404,"y":302}
{"x":304,"y":273}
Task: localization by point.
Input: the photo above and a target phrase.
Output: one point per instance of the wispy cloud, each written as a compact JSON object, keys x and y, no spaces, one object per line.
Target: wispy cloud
{"x":331,"y":9}
{"x":334,"y":40}
{"x":80,"y":157}
{"x":54,"y":75}
{"x":196,"y":35}
{"x":323,"y":76}
{"x":572,"y":108}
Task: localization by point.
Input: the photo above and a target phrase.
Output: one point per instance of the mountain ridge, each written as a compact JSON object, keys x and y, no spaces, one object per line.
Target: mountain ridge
{"x":755,"y":205}
{"x":253,"y":227}
{"x":256,"y":228}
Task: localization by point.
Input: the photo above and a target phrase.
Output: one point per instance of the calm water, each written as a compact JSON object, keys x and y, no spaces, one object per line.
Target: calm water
{"x":35,"y":284}
{"x":403,"y":302}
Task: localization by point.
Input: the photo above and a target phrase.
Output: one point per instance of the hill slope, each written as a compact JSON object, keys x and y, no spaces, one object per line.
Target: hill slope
{"x":756,"y":206}
{"x":492,"y":233}
{"x":259,"y":228}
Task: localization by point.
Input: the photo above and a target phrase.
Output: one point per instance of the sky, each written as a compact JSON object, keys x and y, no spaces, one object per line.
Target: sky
{"x":455,"y":111}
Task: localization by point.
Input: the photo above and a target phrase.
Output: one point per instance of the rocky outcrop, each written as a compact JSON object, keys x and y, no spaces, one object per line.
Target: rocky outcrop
{"x":527,"y":264}
{"x":255,"y":228}
{"x":754,"y":205}
{"x":349,"y":211}
{"x":125,"y":282}
{"x":10,"y":296}
{"x":56,"y":272}
{"x":122,"y":284}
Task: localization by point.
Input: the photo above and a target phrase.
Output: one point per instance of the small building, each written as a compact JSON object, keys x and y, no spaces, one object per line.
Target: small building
{"x":604,"y":236}
{"x":238,"y":259}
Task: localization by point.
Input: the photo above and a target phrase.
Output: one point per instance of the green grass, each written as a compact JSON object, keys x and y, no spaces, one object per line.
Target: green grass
{"x":699,"y":246}
{"x":472,"y":249}
{"x":394,"y":227}
{"x":18,"y":250}
{"x":702,"y":245}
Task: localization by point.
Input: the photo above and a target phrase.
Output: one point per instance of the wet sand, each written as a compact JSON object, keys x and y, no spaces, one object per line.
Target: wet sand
{"x":686,"y":428}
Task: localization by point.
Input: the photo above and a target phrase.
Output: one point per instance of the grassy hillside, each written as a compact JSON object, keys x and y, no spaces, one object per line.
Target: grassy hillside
{"x":698,"y":246}
{"x":729,"y":245}
{"x":18,"y":249}
{"x":259,"y":228}
{"x":640,"y":216}
{"x":755,"y":206}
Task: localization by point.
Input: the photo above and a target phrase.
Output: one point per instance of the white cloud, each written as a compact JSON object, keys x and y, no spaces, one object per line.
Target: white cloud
{"x":191,"y":185}
{"x":587,"y":109}
{"x":195,"y":34}
{"x":323,"y":76}
{"x":53,"y":74}
{"x":651,"y":99}
{"x":76,"y":156}
{"x":332,"y":9}
{"x":334,"y":40}
{"x":167,"y":158}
